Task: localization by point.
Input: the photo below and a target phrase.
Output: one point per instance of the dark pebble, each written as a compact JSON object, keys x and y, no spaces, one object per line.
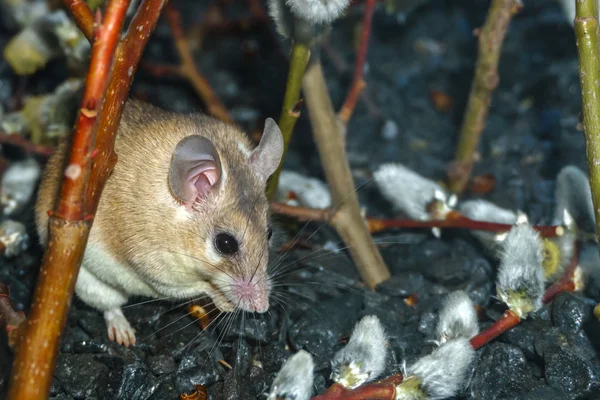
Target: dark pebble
{"x":546,"y":393}
{"x":501,"y":372}
{"x":524,"y":334}
{"x":133,"y":381}
{"x":572,"y":374}
{"x":165,"y":390}
{"x":161,"y":364}
{"x":80,"y":375}
{"x":402,"y":285}
{"x":570,"y":312}
{"x":318,"y":330}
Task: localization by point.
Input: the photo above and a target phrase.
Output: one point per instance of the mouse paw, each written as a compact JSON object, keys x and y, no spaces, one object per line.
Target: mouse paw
{"x":119,"y":329}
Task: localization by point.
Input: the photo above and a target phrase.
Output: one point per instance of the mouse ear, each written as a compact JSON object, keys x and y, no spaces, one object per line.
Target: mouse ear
{"x":195,"y":168}
{"x":266,"y":157}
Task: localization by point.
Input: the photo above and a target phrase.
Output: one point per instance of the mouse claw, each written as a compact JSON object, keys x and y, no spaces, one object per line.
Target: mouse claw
{"x":119,"y":329}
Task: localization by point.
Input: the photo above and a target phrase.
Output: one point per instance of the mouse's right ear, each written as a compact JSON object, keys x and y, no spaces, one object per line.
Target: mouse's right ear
{"x":195,"y":168}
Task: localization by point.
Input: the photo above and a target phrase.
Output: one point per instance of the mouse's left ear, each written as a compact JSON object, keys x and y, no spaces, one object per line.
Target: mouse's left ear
{"x":266,"y":157}
{"x":195,"y":168}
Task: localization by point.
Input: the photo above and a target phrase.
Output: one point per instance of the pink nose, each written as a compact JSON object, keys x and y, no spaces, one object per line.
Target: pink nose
{"x":252,"y":296}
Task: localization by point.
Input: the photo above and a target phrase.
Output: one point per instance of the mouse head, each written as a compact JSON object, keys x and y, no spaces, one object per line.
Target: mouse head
{"x":220,"y":184}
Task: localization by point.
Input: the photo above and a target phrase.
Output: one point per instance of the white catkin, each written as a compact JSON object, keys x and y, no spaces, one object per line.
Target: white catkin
{"x":521,"y":264}
{"x":310,"y":192}
{"x":457,"y":318}
{"x":481,"y":210}
{"x":295,"y":378}
{"x":409,"y":192}
{"x":18,"y":184}
{"x":443,"y":373}
{"x":318,"y":11}
{"x":573,"y":198}
{"x":365,"y":353}
{"x":282,"y":16}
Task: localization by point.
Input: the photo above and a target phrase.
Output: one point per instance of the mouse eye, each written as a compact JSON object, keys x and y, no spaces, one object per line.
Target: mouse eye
{"x":226,"y":244}
{"x":269,"y":233}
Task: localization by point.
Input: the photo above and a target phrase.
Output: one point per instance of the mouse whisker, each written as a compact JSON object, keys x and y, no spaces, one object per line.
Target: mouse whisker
{"x":146,"y":302}
{"x":202,"y":261}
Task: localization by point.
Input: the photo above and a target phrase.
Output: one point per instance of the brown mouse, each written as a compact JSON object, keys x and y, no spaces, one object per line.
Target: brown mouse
{"x":183,"y":214}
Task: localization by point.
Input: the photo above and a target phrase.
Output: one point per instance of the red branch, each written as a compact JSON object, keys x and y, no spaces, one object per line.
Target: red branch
{"x":71,"y":203}
{"x":358,"y":83}
{"x":10,"y":318}
{"x":14,"y":139}
{"x":508,"y":321}
{"x":83,"y":16}
{"x":453,"y":220}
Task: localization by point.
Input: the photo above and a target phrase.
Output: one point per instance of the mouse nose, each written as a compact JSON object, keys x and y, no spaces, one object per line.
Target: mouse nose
{"x":252,"y":295}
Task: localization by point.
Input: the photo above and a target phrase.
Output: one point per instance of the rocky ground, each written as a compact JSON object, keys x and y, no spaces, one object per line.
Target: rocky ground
{"x":531,"y":134}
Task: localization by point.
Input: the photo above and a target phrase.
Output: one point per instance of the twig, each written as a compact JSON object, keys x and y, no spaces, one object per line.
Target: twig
{"x":189,"y":69}
{"x":454,"y":220}
{"x":484,"y":83}
{"x":24,"y":144}
{"x":347,"y":221}
{"x":586,"y":35}
{"x":505,"y":323}
{"x":290,"y":111}
{"x":13,"y":320}
{"x":68,"y":228}
{"x":82,"y":14}
{"x":358,"y":83}
{"x":129,"y":53}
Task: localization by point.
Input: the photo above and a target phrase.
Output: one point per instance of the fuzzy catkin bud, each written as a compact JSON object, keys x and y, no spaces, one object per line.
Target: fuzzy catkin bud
{"x":573,"y":196}
{"x":363,"y":358}
{"x":457,"y":318}
{"x":295,"y":378}
{"x":318,"y":11}
{"x":520,"y":282}
{"x":439,"y":375}
{"x":411,"y":193}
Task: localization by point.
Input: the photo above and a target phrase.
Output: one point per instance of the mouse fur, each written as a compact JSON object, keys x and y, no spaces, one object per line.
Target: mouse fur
{"x":145,"y":242}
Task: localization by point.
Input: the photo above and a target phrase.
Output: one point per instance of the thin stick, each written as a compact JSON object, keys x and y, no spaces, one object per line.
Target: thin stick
{"x":129,"y":53}
{"x":68,"y":229}
{"x":83,"y":16}
{"x":347,"y":221}
{"x":455,"y":221}
{"x":290,"y":111}
{"x":190,"y":70}
{"x":13,"y":320}
{"x":586,"y":35}
{"x":24,"y":144}
{"x":358,"y":83}
{"x":484,"y":83}
{"x":508,"y":321}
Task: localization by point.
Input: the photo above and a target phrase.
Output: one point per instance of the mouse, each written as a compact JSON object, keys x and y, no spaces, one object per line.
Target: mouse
{"x":183,"y":214}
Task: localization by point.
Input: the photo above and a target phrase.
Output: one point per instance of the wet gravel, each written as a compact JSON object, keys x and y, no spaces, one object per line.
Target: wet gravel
{"x":530,"y":135}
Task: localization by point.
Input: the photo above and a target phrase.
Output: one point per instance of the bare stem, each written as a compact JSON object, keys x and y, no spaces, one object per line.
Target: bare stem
{"x":453,"y":221}
{"x":82,"y":14}
{"x":586,"y":35}
{"x":347,"y":221}
{"x":289,"y":111}
{"x":190,"y":70}
{"x":358,"y":83}
{"x":508,"y":321}
{"x":484,"y":83}
{"x":12,"y":320}
{"x":70,"y":224}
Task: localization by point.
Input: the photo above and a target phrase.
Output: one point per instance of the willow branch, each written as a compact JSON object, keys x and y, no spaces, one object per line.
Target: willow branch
{"x":14,"y":139}
{"x":189,"y":70}
{"x":290,"y":111}
{"x":68,"y":229}
{"x":82,"y":14}
{"x":453,"y":221}
{"x":12,"y":320}
{"x":358,"y":83}
{"x":484,"y":83}
{"x":129,"y":53}
{"x":586,"y":35}
{"x":347,"y":220}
